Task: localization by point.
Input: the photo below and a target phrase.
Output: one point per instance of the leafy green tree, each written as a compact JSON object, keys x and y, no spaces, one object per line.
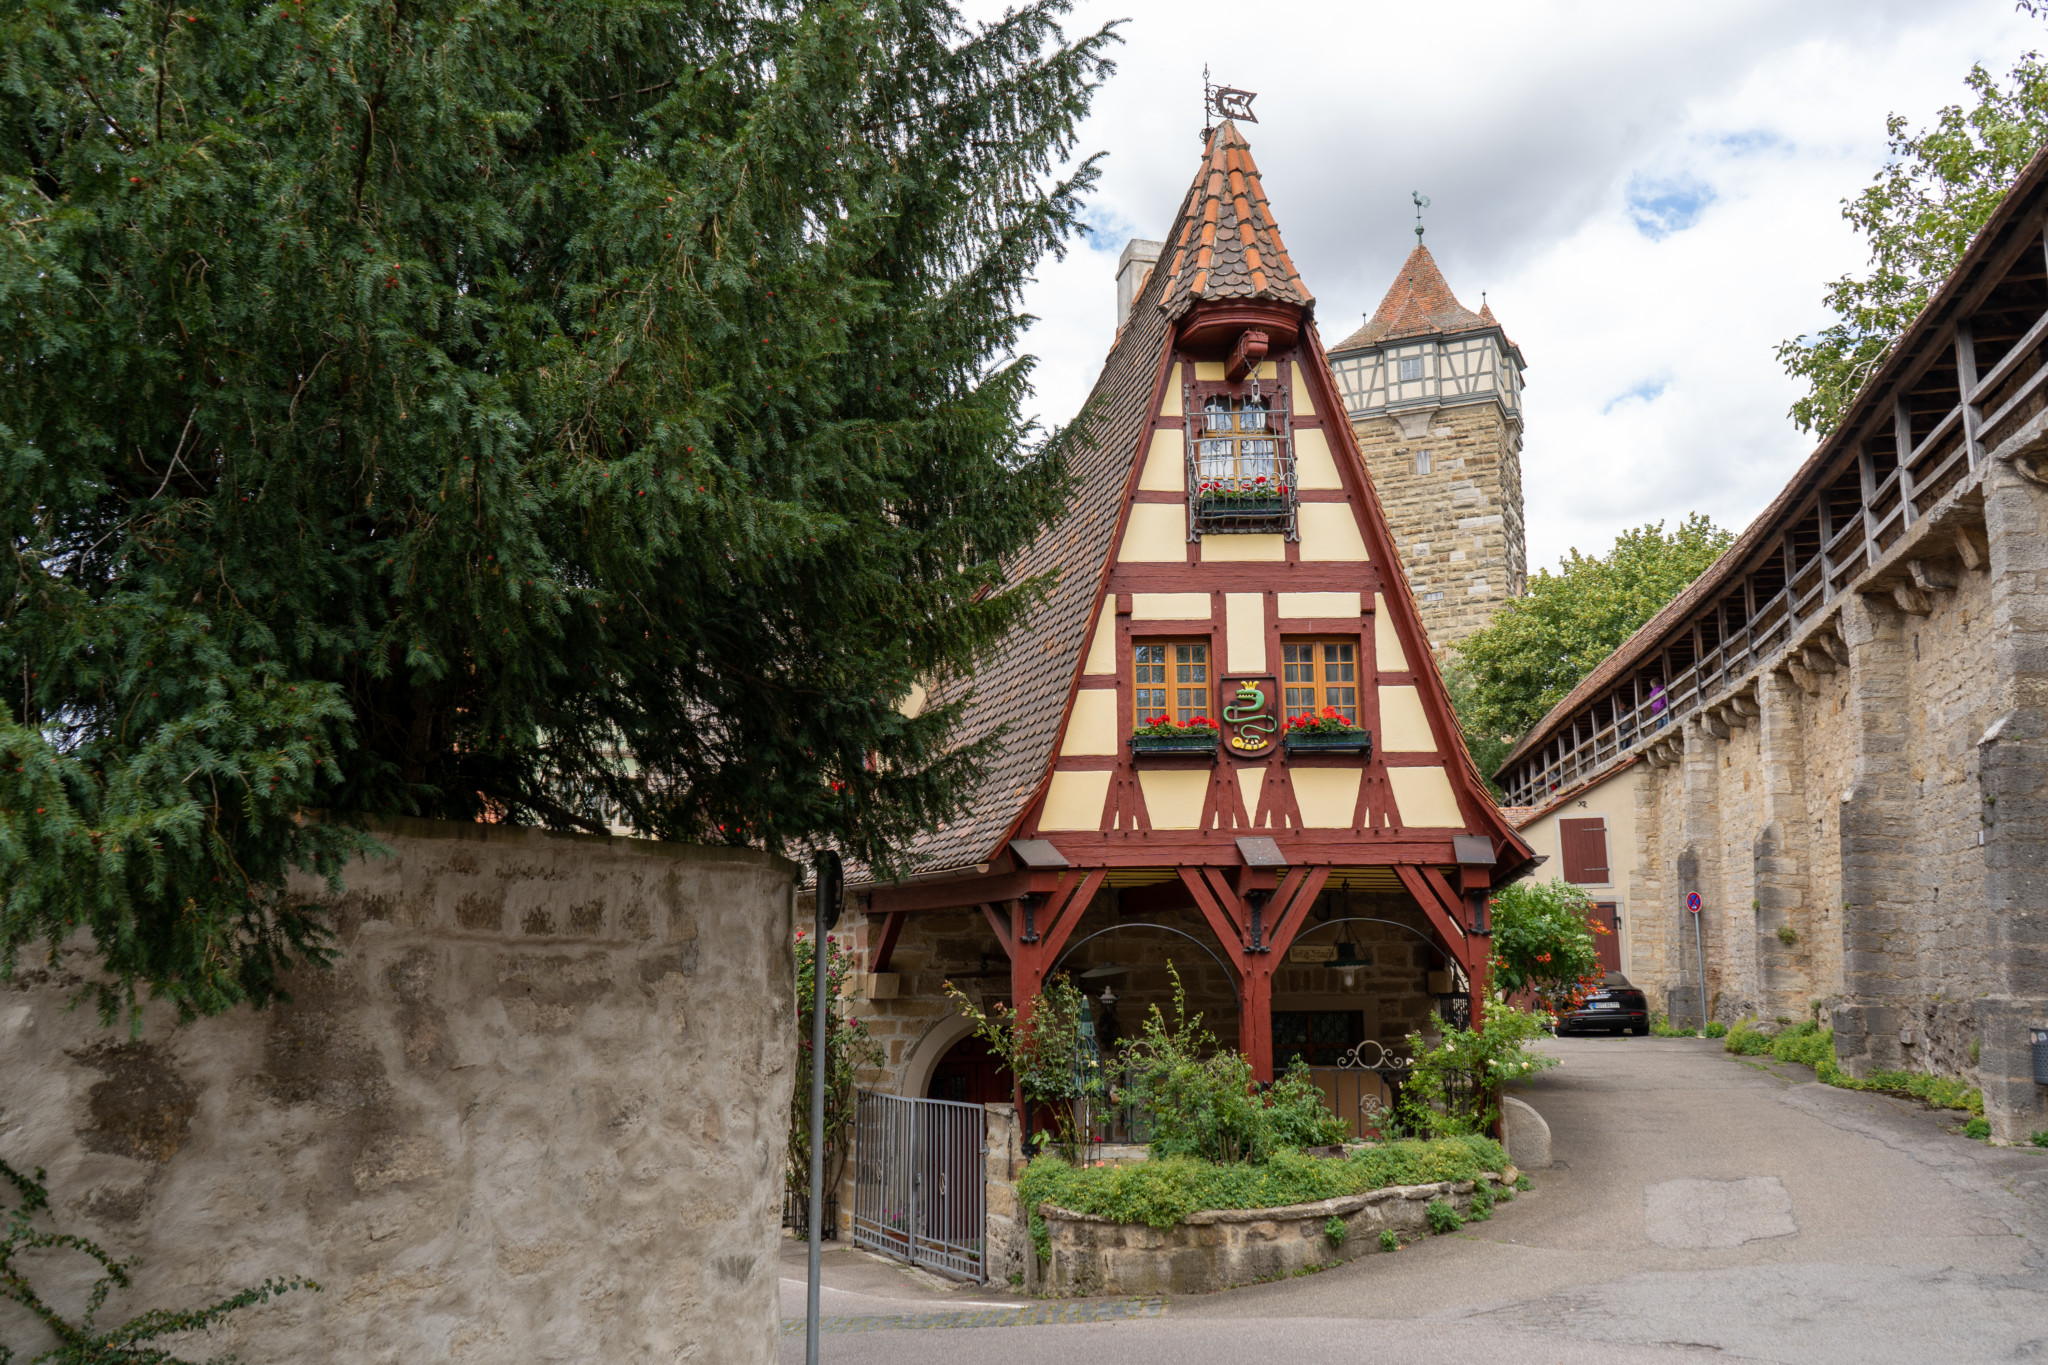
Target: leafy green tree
{"x":581,"y":413}
{"x":1919,"y":215}
{"x":1538,"y":646}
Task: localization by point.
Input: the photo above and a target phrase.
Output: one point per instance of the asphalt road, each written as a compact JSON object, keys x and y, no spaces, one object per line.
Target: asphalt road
{"x":1699,"y":1204}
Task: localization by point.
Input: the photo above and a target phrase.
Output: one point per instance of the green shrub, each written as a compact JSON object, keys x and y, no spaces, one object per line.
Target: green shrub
{"x":1662,"y":1027}
{"x":1977,"y":1128}
{"x":1543,"y":940}
{"x":1388,"y":1241}
{"x":1787,"y":935}
{"x":1454,"y":1088}
{"x":1336,"y":1230}
{"x":1201,"y":1098}
{"x":1716,"y":1029}
{"x":2039,"y":1139}
{"x":1482,"y":1201}
{"x":1442,"y":1217}
{"x":1808,"y":1044}
{"x":83,"y":1342}
{"x":1523,"y":1182}
{"x":1165,"y":1190}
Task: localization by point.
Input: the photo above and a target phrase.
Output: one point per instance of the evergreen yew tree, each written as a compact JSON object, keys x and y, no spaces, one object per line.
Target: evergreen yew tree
{"x":565,"y":412}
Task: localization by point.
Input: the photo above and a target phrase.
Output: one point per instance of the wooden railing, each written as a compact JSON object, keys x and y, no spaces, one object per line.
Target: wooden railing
{"x":1882,"y":475}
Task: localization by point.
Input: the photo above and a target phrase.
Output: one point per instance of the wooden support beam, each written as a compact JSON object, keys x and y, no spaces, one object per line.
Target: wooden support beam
{"x":1442,"y":918}
{"x":885,"y":946}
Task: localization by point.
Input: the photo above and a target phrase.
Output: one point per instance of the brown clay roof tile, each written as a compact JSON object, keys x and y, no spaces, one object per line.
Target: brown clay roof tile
{"x":1419,"y":303}
{"x":1226,"y":244}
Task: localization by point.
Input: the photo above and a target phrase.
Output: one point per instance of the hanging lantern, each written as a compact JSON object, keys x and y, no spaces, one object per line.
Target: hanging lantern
{"x":1346,"y":965}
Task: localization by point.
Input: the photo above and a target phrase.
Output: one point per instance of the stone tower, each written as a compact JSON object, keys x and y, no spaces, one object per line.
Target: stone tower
{"x":1434,"y":393}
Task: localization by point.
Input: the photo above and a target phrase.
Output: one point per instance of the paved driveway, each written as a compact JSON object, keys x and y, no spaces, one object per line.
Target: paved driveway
{"x":1699,"y":1204}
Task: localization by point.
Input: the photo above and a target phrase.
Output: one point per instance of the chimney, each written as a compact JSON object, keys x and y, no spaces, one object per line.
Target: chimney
{"x":1132,"y":269}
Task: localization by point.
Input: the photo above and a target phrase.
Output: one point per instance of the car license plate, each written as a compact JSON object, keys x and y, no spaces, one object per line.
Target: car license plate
{"x":1604,"y":1005}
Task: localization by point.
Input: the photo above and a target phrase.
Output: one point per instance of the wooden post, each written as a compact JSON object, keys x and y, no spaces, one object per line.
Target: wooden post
{"x":1254,"y":956}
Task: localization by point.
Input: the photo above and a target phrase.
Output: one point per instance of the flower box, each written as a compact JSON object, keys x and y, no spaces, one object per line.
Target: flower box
{"x":1193,"y":743}
{"x":1241,"y":505}
{"x":1341,"y":742}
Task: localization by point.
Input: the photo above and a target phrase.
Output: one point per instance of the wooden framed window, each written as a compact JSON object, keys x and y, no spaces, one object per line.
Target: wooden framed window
{"x":1170,"y":680}
{"x":1582,"y":845}
{"x":1237,"y":449}
{"x":1319,"y":673}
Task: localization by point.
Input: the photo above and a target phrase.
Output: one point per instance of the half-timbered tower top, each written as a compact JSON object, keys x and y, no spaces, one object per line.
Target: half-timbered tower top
{"x":1422,"y":349}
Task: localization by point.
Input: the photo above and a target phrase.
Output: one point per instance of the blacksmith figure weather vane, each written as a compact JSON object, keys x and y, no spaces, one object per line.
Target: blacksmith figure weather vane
{"x":1225,"y":102}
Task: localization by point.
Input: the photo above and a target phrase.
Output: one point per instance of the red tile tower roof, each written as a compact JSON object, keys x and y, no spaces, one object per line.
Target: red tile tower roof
{"x":1420,"y":303}
{"x":1226,"y":244}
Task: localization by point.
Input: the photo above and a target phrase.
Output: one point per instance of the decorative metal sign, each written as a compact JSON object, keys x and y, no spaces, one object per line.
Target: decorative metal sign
{"x":1251,"y":721}
{"x":1312,"y":952}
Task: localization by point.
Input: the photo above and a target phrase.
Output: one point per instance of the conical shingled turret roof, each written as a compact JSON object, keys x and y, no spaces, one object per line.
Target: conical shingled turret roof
{"x":1226,"y":245}
{"x":1420,"y":303}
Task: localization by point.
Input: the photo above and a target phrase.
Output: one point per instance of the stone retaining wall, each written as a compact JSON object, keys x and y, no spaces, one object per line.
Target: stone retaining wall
{"x":1220,"y":1248}
{"x":535,"y":1112}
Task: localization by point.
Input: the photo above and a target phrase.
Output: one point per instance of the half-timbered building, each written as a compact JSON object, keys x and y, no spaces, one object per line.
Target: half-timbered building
{"x":1224,"y":745}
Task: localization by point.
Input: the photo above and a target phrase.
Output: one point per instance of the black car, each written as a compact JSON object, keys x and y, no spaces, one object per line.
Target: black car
{"x":1615,"y":1007}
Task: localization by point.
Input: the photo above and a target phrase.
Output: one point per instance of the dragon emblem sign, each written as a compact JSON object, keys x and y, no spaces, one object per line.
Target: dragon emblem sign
{"x":1250,"y":720}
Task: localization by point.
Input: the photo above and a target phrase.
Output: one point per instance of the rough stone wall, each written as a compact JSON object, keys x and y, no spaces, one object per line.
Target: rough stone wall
{"x":1866,"y":819}
{"x":536,"y":1111}
{"x":1458,"y":527}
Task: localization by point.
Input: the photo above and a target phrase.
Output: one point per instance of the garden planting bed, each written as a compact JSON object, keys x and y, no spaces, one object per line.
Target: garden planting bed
{"x":1220,"y":1248}
{"x":1182,"y":1225}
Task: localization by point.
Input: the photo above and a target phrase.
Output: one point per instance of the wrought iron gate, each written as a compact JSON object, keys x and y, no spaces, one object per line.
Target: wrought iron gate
{"x":919,"y":1181}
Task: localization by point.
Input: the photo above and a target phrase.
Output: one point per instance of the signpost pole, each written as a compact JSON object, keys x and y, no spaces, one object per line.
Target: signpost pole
{"x":1699,"y":953}
{"x":830,"y":883}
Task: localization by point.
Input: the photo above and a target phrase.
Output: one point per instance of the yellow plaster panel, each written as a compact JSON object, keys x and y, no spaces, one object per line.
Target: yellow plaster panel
{"x":1388,"y":656}
{"x":1314,"y":466}
{"x":1248,"y":779}
{"x":1296,"y":606}
{"x":1074,"y":801}
{"x":1102,"y":649}
{"x":1302,"y":405}
{"x":1173,"y":796}
{"x":1169,"y":406}
{"x":1244,"y":622}
{"x":1327,"y":796}
{"x":1209,"y":369}
{"x":1092,"y":727}
{"x":1157,"y":534}
{"x":1424,"y":798}
{"x":1165,"y":464}
{"x":1329,"y":531}
{"x":1170,"y":606}
{"x":1243,"y":549}
{"x":912,"y":704}
{"x":1404,"y":728}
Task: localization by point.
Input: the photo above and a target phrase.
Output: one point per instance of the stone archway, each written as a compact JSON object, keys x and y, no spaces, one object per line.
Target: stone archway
{"x":916,"y":1077}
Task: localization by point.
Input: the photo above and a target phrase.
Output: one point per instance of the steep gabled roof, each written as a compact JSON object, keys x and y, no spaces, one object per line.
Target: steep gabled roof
{"x":1419,"y":303}
{"x":1225,"y":242}
{"x":1025,"y":682}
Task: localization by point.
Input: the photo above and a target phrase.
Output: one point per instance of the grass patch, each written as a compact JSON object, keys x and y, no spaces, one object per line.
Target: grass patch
{"x":1661,"y":1027}
{"x":1811,"y":1045}
{"x":1164,"y":1191}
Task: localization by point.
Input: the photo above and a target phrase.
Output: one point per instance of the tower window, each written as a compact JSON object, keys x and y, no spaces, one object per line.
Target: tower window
{"x":1411,"y":367}
{"x":1237,"y":444}
{"x":1422,"y":462}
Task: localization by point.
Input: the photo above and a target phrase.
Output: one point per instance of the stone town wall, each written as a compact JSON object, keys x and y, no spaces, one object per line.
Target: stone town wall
{"x":1459,"y":527}
{"x":536,"y":1111}
{"x":1866,"y":820}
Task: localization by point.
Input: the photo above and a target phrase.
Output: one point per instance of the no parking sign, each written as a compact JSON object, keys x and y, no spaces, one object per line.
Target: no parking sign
{"x":1692,"y":901}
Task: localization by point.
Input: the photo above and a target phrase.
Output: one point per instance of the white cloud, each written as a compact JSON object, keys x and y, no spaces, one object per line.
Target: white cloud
{"x":1649,"y":196}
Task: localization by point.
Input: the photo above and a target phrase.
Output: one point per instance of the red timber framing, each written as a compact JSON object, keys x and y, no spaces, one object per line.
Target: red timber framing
{"x":1172,"y":572}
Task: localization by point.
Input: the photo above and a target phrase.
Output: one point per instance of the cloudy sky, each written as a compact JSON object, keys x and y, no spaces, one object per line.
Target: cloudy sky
{"x":1648,"y":195}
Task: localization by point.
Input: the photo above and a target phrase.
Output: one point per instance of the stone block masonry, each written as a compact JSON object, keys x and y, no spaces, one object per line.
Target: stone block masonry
{"x":1453,"y":500}
{"x":1865,"y":816}
{"x":535,"y":1112}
